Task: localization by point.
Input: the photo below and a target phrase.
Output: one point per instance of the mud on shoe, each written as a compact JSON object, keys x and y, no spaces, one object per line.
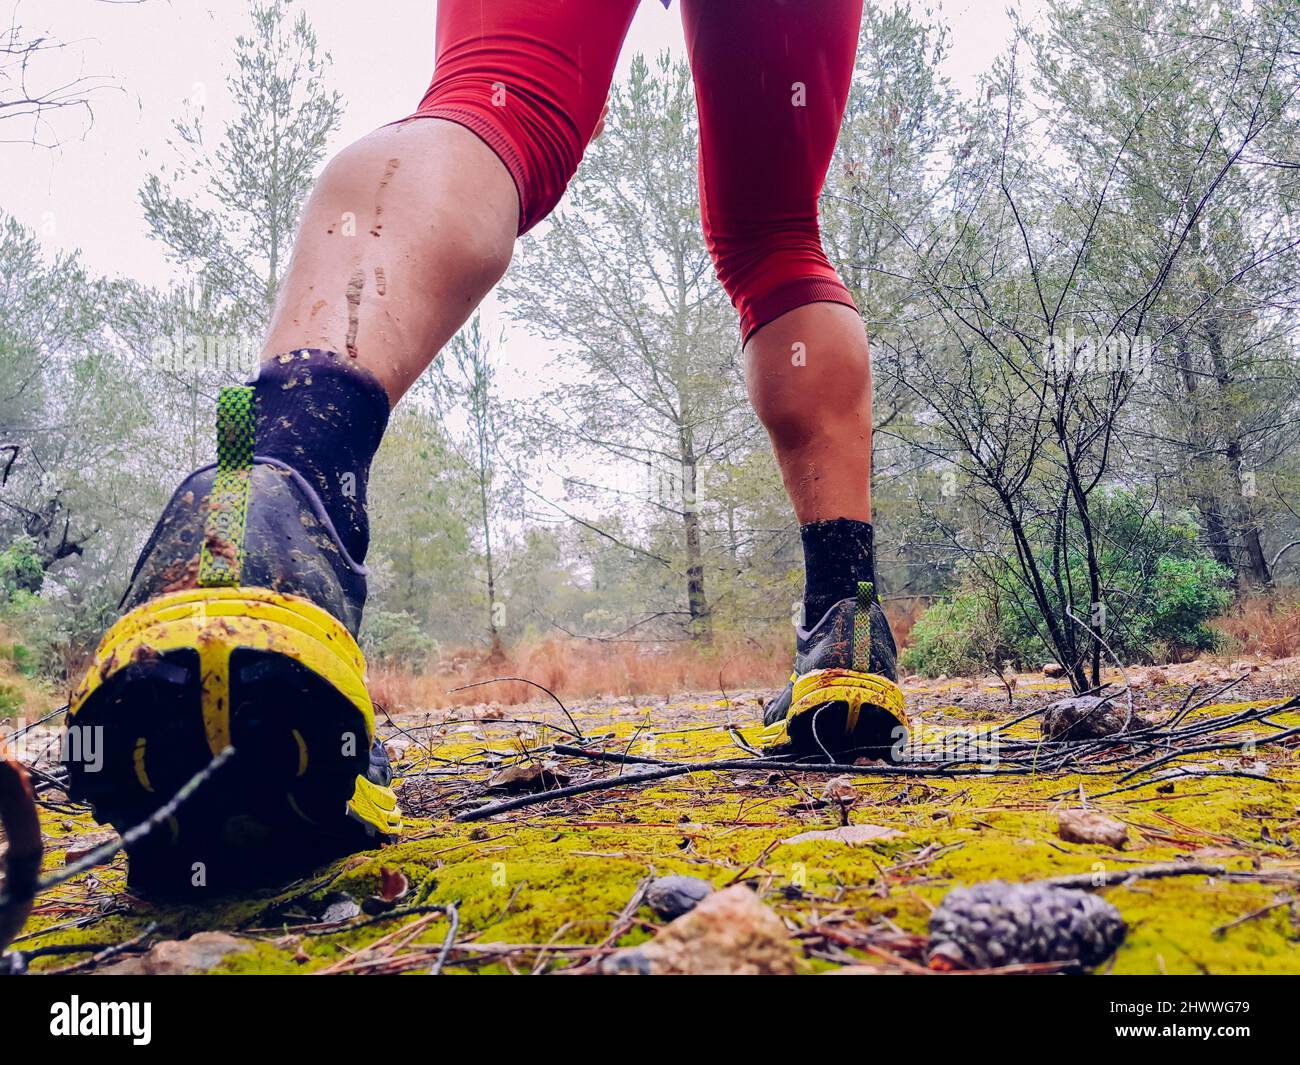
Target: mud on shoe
{"x":843,"y":699}
{"x":239,"y":631}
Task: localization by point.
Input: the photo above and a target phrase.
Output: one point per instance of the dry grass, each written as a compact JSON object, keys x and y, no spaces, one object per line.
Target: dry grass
{"x":902,"y":614}
{"x":579,"y":669}
{"x":1268,"y":625}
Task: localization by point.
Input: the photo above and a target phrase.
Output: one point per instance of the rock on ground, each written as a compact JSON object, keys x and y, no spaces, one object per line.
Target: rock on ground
{"x":730,"y":933}
{"x":1087,"y":717}
{"x":1088,"y":826}
{"x":177,"y":957}
{"x":671,"y":896}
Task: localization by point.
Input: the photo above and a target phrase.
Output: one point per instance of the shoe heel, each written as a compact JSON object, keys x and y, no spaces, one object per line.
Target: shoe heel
{"x":851,"y":687}
{"x":182,"y":677}
{"x":840,"y":711}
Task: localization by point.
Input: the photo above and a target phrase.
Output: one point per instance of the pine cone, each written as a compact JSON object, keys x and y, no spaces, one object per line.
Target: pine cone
{"x":996,"y":923}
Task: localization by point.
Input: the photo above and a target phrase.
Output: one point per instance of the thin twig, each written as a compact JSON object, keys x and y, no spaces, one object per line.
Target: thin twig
{"x":1142,"y":872}
{"x":525,"y":680}
{"x":453,"y":915}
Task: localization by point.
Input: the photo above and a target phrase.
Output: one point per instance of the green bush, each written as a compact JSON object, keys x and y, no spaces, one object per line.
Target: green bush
{"x":968,"y":633}
{"x":1189,"y":592}
{"x":1159,"y":588}
{"x":22,"y":657}
{"x":943,"y":638}
{"x":11,"y":701}
{"x":55,"y":635}
{"x":395,"y":638}
{"x":21,"y":570}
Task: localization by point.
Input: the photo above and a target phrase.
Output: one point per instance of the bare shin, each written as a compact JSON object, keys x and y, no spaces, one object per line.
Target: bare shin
{"x":809,"y":379}
{"x":405,"y":233}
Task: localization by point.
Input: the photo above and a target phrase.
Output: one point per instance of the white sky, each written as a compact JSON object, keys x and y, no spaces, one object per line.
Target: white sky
{"x":156,"y":53}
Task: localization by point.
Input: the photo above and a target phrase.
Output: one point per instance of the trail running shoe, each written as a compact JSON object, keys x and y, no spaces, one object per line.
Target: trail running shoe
{"x":239,"y":631}
{"x":843,"y":699}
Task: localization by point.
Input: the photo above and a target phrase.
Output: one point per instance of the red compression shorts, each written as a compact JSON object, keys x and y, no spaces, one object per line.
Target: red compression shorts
{"x":530,"y":78}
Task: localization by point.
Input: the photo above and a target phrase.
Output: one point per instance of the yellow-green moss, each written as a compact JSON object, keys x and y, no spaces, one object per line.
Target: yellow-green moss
{"x":561,"y":872}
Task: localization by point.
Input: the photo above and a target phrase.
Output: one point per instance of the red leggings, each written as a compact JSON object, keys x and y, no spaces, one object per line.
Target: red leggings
{"x":530,"y":77}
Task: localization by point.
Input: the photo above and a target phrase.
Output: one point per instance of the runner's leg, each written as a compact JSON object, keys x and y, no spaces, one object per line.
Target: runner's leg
{"x":409,"y":228}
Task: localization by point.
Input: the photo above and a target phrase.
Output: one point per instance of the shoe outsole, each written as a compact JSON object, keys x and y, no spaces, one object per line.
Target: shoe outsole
{"x":840,"y":712}
{"x":184,"y":676}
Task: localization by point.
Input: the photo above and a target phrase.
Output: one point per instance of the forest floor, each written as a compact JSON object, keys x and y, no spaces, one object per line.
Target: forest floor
{"x":554,"y":886}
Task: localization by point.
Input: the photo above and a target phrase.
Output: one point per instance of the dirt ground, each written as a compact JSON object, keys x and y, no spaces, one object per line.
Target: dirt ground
{"x":551,"y":886}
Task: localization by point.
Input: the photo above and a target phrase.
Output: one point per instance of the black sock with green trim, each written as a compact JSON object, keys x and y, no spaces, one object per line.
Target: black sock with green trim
{"x":838,"y":554}
{"x":324,"y":415}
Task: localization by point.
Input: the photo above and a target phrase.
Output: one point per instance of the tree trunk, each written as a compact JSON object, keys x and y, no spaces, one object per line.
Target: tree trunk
{"x":1245,"y":526}
{"x":1217,"y":537}
{"x":696,"y":602}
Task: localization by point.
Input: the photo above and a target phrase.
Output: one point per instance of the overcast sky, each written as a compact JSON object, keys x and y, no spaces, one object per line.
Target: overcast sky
{"x":154,"y":54}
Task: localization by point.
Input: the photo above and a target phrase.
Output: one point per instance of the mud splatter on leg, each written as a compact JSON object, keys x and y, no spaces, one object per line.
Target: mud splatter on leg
{"x":389,"y":170}
{"x":356,"y":284}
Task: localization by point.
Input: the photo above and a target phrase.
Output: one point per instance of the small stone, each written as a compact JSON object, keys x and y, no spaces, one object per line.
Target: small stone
{"x":853,"y":835}
{"x":730,"y":933}
{"x":1088,"y":826}
{"x":201,"y":953}
{"x":86,"y":844}
{"x":671,"y":896}
{"x":528,"y":776}
{"x":338,"y":906}
{"x":1086,"y":717}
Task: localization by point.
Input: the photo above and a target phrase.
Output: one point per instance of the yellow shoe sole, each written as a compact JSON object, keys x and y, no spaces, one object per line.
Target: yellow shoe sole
{"x":184,"y":676}
{"x":874,"y":709}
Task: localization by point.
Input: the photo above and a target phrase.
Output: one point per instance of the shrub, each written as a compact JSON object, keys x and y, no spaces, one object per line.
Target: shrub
{"x":11,"y":701}
{"x":21,"y":570}
{"x":1160,"y":589}
{"x":1266,"y":624}
{"x":55,"y":636}
{"x":395,"y":638}
{"x":1188,"y":594}
{"x":968,"y":633}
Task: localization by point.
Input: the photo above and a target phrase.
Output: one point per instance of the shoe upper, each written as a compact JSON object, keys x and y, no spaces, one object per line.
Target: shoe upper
{"x":852,"y":634}
{"x":289,"y":544}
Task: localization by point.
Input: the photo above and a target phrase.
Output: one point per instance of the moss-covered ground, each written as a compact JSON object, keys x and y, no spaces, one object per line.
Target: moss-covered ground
{"x":546,"y":887}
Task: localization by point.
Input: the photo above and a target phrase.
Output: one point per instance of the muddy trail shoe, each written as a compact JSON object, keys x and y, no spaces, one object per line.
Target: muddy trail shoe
{"x":239,"y":631}
{"x":842,"y":701}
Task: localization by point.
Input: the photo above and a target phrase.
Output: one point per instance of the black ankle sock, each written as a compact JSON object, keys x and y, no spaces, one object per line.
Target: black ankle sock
{"x":837,"y":555}
{"x":324,"y":415}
